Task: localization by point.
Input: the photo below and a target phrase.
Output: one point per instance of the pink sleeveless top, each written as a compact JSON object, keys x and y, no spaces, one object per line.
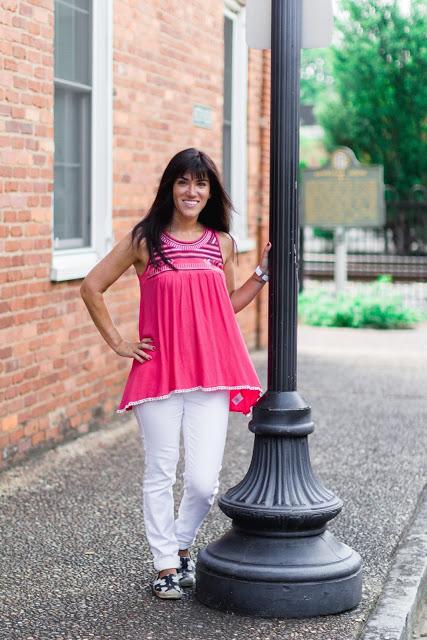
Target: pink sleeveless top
{"x":189,"y":315}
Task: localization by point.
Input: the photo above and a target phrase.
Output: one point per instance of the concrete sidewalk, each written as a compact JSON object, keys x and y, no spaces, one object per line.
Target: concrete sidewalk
{"x":74,"y":561}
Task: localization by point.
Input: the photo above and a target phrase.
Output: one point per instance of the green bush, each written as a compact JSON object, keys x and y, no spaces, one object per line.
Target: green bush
{"x":377,"y":307}
{"x":327,"y":234}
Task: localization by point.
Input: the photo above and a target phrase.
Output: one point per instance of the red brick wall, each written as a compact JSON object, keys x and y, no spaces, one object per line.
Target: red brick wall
{"x":264,"y":172}
{"x":58,"y":377}
{"x":254,"y":325}
{"x":30,"y":309}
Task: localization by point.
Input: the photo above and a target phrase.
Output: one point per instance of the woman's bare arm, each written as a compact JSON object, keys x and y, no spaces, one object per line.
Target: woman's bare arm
{"x":98,"y":280}
{"x":242,"y":296}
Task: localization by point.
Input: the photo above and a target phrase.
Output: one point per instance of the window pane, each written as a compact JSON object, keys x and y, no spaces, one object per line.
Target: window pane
{"x":226,"y":158}
{"x":73,"y":41}
{"x":82,"y":4}
{"x":228,"y":80}
{"x":72,"y":168}
{"x":228,"y":67}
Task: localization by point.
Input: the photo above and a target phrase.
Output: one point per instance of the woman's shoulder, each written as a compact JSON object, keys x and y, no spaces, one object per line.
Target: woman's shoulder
{"x":137,"y":245}
{"x":226,"y":243}
{"x":140,"y":252}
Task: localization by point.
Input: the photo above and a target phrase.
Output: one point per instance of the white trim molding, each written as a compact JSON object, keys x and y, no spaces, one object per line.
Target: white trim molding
{"x":239,"y":138}
{"x":71,"y":264}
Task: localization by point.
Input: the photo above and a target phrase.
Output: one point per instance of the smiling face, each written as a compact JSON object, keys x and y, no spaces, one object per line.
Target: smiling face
{"x":190,"y":195}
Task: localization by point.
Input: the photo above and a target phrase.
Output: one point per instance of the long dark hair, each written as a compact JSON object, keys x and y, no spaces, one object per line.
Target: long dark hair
{"x":216,"y":214}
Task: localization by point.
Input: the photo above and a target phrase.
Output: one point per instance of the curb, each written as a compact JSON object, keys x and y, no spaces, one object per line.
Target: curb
{"x":406,"y":584}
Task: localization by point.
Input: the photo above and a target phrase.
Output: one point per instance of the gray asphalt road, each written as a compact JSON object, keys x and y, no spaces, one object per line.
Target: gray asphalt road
{"x":74,"y":561}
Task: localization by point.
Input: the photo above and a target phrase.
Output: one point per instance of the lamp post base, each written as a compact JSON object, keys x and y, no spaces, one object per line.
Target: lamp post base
{"x":279,"y":575}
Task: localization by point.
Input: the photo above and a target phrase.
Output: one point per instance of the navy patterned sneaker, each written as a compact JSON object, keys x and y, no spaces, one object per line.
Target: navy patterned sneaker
{"x":167,"y":587}
{"x":186,"y":572}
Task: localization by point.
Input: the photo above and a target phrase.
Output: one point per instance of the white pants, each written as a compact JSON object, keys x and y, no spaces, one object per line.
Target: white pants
{"x":204,"y":419}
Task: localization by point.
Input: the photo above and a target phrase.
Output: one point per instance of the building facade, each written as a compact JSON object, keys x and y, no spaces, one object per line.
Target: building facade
{"x":96,"y":96}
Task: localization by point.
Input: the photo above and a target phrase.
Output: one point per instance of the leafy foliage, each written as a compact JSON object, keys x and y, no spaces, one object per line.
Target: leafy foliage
{"x":316,"y":74}
{"x":378,"y":106}
{"x":378,"y":308}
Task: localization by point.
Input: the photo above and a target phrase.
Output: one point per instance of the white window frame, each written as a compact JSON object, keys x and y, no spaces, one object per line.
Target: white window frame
{"x":239,"y":124}
{"x":71,"y":264}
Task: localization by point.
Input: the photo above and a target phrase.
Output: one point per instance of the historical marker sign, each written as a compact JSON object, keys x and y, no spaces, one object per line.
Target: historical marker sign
{"x":344,"y":194}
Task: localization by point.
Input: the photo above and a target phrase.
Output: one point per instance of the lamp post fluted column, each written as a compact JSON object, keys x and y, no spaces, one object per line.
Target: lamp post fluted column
{"x":279,"y":559}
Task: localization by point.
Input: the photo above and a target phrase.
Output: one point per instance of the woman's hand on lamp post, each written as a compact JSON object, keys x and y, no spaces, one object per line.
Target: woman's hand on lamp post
{"x":264,"y":258}
{"x":261,"y":273}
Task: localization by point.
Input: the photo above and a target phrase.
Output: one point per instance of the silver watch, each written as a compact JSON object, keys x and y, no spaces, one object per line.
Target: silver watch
{"x":261,"y":273}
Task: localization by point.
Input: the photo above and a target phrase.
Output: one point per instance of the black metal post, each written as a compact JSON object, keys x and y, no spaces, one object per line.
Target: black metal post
{"x":301,"y":260}
{"x":279,"y":559}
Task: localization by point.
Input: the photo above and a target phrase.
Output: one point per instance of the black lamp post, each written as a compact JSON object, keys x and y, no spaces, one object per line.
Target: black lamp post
{"x":279,"y":559}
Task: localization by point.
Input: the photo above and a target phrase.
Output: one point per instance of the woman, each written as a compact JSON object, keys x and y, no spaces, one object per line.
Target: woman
{"x":190,"y":366}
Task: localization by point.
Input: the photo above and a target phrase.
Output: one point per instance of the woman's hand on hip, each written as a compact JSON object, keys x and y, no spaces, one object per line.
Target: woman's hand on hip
{"x":135,"y":349}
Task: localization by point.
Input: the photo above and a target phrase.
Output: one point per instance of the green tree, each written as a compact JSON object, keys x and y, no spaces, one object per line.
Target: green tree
{"x":316,"y":74}
{"x":378,"y":102}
